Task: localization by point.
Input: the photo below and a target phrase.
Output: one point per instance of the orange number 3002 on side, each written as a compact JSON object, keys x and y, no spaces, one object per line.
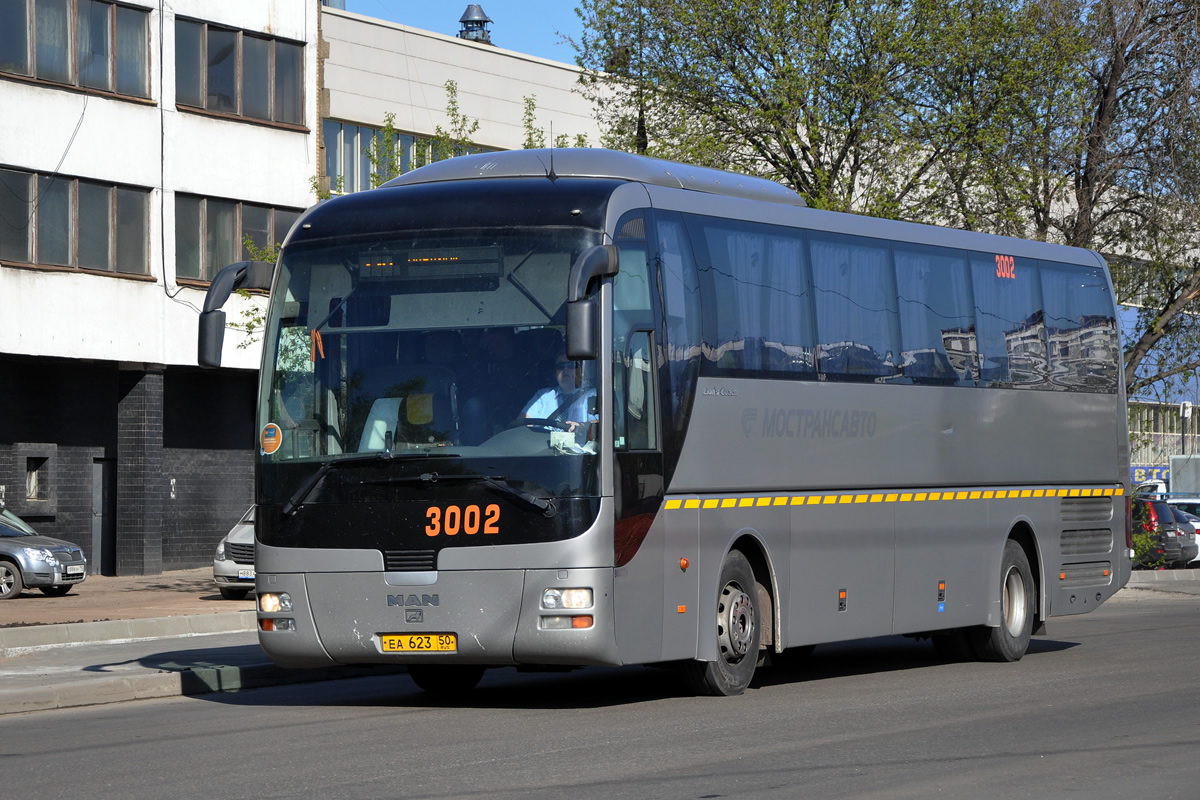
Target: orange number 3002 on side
{"x":453,"y":520}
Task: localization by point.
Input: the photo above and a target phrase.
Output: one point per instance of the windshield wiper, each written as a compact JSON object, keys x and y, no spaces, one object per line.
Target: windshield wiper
{"x":497,"y":482}
{"x":326,"y":466}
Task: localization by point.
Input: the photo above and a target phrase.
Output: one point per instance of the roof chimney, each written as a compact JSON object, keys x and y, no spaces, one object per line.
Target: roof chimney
{"x":473,"y":21}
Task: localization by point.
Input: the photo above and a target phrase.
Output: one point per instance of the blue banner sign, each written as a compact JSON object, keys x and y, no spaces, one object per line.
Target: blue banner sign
{"x":1147,"y":474}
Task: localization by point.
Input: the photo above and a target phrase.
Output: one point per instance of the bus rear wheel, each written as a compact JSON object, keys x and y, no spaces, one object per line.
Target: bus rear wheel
{"x":445,"y":680}
{"x":1010,"y":640}
{"x":737,"y":632}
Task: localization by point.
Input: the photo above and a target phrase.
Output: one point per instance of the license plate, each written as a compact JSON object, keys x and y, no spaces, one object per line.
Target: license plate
{"x":419,"y":642}
{"x":246,"y":574}
{"x":75,"y":570}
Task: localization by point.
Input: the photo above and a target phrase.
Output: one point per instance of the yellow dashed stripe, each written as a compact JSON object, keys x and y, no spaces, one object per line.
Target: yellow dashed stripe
{"x":755,"y":501}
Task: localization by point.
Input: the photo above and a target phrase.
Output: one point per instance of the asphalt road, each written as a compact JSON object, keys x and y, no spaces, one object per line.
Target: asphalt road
{"x":1104,"y":707}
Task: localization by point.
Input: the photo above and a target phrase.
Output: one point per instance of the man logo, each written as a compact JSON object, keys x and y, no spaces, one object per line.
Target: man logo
{"x":412,"y":600}
{"x":749,"y":417}
{"x":414,"y":615}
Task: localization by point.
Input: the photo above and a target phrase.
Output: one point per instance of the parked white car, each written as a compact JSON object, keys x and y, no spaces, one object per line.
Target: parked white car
{"x":233,"y":563}
{"x":1190,"y":507}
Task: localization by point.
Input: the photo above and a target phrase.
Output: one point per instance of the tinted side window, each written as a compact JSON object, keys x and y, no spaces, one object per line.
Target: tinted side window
{"x":756,"y":277}
{"x":937,"y":320}
{"x":855,"y":295}
{"x":672,"y":257}
{"x":1009,"y":323}
{"x":1081,"y":328}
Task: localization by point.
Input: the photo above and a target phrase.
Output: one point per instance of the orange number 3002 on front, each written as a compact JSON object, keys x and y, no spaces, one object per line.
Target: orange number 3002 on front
{"x":453,"y":520}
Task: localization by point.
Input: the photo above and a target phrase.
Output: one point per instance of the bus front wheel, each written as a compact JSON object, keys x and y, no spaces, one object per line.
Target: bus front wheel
{"x":1010,"y":640}
{"x":737,"y":632}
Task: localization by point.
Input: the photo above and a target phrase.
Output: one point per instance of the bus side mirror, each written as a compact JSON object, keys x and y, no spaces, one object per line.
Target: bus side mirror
{"x":599,"y":261}
{"x":211,"y":333}
{"x":211,"y":338}
{"x":581,"y":330}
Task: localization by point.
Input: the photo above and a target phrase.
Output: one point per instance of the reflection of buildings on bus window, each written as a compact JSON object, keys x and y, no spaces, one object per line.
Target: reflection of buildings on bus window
{"x":1084,"y":357}
{"x":962,"y":348}
{"x":1025,"y":347}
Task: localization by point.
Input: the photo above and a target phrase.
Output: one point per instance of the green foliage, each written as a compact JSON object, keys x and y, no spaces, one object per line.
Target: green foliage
{"x":456,"y":140}
{"x":1145,"y":546}
{"x":535,"y":137}
{"x":384,"y":153}
{"x":336,"y":187}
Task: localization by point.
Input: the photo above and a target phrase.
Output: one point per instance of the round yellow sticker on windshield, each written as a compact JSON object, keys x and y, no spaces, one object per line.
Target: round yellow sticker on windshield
{"x":271,"y":438}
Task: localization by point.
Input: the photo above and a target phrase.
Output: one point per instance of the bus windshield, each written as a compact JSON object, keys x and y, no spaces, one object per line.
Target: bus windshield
{"x":427,"y":354}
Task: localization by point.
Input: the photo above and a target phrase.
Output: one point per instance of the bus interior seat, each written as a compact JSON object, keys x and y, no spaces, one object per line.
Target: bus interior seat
{"x":416,"y":403}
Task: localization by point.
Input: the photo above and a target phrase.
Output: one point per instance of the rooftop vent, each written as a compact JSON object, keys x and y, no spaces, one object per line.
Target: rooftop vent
{"x":474,"y":23}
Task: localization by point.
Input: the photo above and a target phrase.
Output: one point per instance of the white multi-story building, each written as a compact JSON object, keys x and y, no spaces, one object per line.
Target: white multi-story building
{"x":143,"y":143}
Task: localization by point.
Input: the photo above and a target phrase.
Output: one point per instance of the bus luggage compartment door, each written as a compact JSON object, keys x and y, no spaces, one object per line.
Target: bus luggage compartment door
{"x":354,"y":611}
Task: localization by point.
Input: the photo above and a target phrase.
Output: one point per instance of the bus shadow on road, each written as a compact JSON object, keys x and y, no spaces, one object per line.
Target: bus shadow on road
{"x":873,"y":656}
{"x":598,"y":687}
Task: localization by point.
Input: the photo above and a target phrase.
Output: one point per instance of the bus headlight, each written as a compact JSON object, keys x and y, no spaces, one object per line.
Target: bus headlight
{"x":271,"y":603}
{"x":567,"y":598}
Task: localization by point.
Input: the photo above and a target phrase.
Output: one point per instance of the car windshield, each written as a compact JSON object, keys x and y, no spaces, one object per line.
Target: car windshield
{"x":12,"y":525}
{"x":7,"y":530}
{"x":440,"y":351}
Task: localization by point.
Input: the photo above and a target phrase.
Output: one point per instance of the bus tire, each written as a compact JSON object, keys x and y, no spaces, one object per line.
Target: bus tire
{"x":1010,"y":640}
{"x":445,"y":679}
{"x":737,"y":631}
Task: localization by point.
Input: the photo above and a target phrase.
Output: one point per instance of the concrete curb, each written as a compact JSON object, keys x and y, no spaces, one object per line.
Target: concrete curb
{"x":73,"y":634}
{"x":1161,"y":575}
{"x":199,"y":681}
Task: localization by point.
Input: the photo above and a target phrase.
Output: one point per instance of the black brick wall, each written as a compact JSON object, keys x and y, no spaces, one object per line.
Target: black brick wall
{"x":139,"y":472}
{"x":184,"y":423}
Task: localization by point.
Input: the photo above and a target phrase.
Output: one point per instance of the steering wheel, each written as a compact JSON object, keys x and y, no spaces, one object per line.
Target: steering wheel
{"x":533,"y":422}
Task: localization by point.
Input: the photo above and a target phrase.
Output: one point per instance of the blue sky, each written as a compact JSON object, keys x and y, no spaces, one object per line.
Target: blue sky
{"x":527,"y":26}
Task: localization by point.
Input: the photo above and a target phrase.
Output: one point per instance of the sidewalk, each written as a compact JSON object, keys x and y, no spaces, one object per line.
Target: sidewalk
{"x":127,"y":638}
{"x":114,"y":639}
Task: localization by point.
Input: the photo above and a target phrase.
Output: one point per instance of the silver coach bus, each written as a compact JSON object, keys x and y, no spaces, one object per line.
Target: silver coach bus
{"x":572,"y":407}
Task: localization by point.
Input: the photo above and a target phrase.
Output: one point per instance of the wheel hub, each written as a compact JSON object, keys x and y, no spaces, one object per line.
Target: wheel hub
{"x":735,"y":623}
{"x":1014,"y":602}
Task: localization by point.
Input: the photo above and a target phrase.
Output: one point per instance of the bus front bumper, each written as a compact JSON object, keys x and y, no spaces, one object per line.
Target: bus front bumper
{"x":491,"y":617}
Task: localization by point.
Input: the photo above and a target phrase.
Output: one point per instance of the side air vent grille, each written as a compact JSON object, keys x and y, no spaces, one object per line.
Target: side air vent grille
{"x":1074,"y":576}
{"x":410,"y":560}
{"x":1087,"y":543}
{"x":1087,"y":509}
{"x":633,"y":229}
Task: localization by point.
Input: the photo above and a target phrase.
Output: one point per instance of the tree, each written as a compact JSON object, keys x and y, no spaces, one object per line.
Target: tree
{"x":1074,"y":121}
{"x":849,"y":102}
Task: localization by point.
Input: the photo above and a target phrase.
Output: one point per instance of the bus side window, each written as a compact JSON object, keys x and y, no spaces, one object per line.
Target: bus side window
{"x":635,"y":418}
{"x":635,"y":421}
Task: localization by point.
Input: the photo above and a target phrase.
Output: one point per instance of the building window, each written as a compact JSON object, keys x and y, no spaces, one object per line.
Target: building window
{"x":236,"y":72}
{"x":211,"y":232}
{"x":348,"y":163}
{"x":35,"y":485}
{"x":54,"y":220}
{"x":36,"y":461}
{"x":92,"y":44}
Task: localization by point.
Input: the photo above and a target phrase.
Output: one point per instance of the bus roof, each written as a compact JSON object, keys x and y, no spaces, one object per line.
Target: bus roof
{"x":586,"y":162}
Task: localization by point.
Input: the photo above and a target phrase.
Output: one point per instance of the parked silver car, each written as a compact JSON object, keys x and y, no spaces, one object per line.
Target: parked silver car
{"x":28,"y":559}
{"x":233,"y":563}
